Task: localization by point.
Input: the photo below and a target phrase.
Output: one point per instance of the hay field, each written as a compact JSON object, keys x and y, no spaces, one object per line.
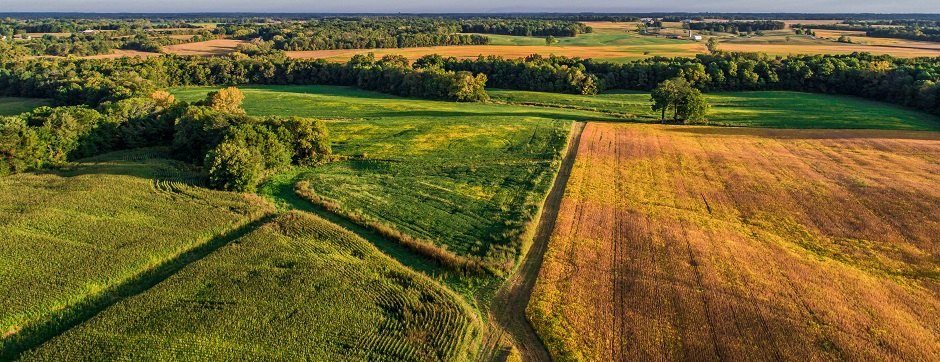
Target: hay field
{"x":699,"y":243}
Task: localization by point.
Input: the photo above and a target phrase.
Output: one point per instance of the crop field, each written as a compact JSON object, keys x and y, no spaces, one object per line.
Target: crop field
{"x":467,"y":178}
{"x":296,"y":288}
{"x":705,"y":243}
{"x":12,"y":106}
{"x":611,"y":53}
{"x":71,"y":235}
{"x":746,"y":109}
{"x":614,"y":42}
{"x":204,"y":48}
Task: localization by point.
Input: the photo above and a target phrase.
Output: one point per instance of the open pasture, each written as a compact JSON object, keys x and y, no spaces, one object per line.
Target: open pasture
{"x":745,"y":109}
{"x":72,"y":235}
{"x":464,"y":177}
{"x":10,"y":106}
{"x":705,"y":243}
{"x":296,"y":288}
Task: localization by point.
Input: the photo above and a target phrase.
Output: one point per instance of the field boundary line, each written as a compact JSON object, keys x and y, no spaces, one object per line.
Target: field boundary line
{"x":509,"y":305}
{"x":38,"y":333}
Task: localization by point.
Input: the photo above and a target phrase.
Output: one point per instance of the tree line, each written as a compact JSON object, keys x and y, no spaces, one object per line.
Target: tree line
{"x":95,"y":81}
{"x":235,"y":149}
{"x":735,"y":27}
{"x":358,"y":34}
{"x":527,"y":27}
{"x":909,"y":82}
{"x":909,"y":30}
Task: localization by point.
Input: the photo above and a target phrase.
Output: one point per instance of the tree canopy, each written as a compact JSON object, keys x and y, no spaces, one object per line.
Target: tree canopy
{"x":686,"y":103}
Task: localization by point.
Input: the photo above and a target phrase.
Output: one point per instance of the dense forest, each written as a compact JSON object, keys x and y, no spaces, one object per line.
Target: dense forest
{"x":735,"y":27}
{"x":356,"y":34}
{"x":526,"y":27}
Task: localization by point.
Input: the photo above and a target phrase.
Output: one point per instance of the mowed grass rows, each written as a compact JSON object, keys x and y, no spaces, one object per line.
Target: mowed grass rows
{"x":70,"y":235}
{"x":702,"y":243}
{"x":296,"y":288}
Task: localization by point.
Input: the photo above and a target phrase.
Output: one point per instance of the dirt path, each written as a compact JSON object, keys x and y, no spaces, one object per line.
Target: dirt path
{"x":509,"y":304}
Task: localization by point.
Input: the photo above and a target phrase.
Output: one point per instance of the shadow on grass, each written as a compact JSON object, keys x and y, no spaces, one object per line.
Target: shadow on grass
{"x":281,"y":189}
{"x":34,"y":335}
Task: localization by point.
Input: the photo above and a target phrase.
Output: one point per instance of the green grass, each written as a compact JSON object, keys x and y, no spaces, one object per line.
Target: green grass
{"x":72,"y":235}
{"x":465,"y":177}
{"x":14,"y":106}
{"x":297,"y":288}
{"x":750,"y":109}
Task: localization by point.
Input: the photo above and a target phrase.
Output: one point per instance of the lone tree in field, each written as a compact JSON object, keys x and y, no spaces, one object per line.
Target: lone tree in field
{"x":228,"y":100}
{"x":686,"y":103}
{"x":550,"y":40}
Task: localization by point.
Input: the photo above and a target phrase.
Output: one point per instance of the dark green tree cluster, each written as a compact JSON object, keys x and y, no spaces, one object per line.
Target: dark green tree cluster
{"x":526,"y":27}
{"x":365,"y":33}
{"x":53,"y":136}
{"x":908,"y":82}
{"x":236,"y":149}
{"x":920,"y":34}
{"x":678,"y":97}
{"x":533,"y":73}
{"x":735,"y":27}
{"x":94,"y":81}
{"x":66,"y":37}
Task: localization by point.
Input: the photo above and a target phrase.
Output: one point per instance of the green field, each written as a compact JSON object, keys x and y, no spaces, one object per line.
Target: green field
{"x":749,"y":109}
{"x":297,"y":288}
{"x":465,"y":177}
{"x":13,"y":106}
{"x":70,"y":236}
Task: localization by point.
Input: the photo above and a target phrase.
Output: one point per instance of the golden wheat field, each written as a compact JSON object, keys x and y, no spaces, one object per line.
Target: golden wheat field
{"x":698,"y":243}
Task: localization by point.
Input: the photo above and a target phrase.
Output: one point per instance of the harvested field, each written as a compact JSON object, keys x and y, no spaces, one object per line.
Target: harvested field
{"x":698,"y":243}
{"x":204,"y":48}
{"x":120,"y":53}
{"x":784,"y":49}
{"x":619,"y":53}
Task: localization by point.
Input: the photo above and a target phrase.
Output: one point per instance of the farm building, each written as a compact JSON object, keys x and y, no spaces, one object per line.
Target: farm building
{"x":697,"y":38}
{"x":88,"y":31}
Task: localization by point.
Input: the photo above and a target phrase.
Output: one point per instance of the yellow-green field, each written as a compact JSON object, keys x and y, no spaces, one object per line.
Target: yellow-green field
{"x":69,"y":238}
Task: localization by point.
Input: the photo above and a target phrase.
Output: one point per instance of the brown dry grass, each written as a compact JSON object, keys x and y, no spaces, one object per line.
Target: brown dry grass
{"x":511,"y":51}
{"x":205,"y":48}
{"x":697,"y":243}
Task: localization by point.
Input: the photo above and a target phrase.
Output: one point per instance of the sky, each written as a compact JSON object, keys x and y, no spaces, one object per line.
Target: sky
{"x":484,"y":6}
